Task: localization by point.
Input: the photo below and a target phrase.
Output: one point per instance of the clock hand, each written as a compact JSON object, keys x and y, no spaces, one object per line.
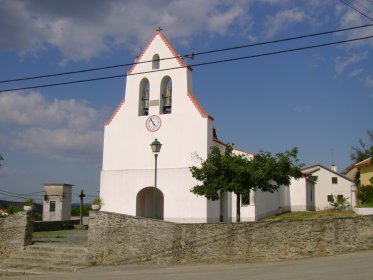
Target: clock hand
{"x":152,"y":122}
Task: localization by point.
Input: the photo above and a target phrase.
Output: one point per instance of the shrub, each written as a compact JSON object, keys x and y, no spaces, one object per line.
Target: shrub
{"x":339,"y":203}
{"x":366,"y":195}
{"x":75,"y":211}
{"x":29,"y":202}
{"x":97,"y":201}
{"x":13,"y":209}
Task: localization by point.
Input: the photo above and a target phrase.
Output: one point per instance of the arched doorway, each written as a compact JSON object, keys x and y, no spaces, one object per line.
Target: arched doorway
{"x":145,"y":203}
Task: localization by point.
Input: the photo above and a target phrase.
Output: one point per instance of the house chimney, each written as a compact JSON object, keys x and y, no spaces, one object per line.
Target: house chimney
{"x":334,"y":167}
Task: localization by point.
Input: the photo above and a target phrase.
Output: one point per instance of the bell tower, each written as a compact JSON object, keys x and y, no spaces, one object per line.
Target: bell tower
{"x":159,"y":103}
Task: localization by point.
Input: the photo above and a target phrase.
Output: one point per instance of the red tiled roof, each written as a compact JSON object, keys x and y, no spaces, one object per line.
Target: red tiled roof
{"x":363,"y":163}
{"x":198,"y":106}
{"x":234,"y":149}
{"x":115,"y":112}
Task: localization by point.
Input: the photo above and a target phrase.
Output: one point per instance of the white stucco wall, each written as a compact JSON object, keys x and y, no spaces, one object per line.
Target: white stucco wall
{"x":62,"y":195}
{"x":302,"y":195}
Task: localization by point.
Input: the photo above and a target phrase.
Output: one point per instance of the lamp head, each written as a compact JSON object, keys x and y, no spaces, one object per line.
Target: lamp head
{"x":156,"y":146}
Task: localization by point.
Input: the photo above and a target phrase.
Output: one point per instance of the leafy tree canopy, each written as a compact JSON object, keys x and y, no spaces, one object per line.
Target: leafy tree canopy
{"x":363,"y":150}
{"x":230,"y":172}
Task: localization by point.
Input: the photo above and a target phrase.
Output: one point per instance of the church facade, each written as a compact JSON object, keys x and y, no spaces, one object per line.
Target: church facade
{"x":159,"y":104}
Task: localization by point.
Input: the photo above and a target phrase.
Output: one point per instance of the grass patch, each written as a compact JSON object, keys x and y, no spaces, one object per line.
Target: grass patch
{"x":311,"y":215}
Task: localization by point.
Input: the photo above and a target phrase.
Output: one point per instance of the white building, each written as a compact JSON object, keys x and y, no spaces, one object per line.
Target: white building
{"x":57,"y":202}
{"x":328,"y":184}
{"x":159,"y":104}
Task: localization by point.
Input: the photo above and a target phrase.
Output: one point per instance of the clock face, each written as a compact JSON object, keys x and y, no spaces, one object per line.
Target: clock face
{"x":153,"y":123}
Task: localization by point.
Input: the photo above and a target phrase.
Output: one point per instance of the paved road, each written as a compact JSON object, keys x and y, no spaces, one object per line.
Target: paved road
{"x":354,"y":266}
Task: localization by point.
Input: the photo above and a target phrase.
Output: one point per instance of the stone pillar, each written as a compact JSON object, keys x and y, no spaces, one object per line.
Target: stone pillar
{"x":16,"y":232}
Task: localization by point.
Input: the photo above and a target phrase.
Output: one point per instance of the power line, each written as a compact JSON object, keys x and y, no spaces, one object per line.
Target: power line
{"x":192,"y":55}
{"x":193,"y":65}
{"x":357,"y":9}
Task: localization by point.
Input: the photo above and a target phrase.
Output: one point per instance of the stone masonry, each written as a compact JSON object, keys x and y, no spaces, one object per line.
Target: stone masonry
{"x":115,"y":238}
{"x":15,"y":233}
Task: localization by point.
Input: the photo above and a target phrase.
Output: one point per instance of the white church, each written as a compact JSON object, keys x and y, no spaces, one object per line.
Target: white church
{"x":159,"y":104}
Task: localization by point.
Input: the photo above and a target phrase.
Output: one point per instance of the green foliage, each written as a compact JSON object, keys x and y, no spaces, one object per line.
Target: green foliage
{"x":97,"y":201}
{"x":13,"y":209}
{"x":366,"y":194}
{"x":229,"y":172}
{"x":339,"y":203}
{"x":363,"y":150}
{"x":75,"y":211}
{"x":29,"y":202}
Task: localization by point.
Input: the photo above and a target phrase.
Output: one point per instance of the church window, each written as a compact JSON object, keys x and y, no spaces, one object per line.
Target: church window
{"x":155,"y":62}
{"x":166,"y":95}
{"x":144,"y":97}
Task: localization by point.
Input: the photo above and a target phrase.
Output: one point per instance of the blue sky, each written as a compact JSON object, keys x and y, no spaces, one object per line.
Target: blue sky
{"x":319,"y":100}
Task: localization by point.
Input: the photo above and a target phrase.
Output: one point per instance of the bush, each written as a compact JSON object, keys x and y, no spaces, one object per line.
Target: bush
{"x":339,"y":203}
{"x":75,"y":211}
{"x":366,"y":195}
{"x":29,"y":202}
{"x":13,"y":209}
{"x":98,"y":201}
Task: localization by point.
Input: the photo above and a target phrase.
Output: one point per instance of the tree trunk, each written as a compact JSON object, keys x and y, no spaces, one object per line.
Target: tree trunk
{"x":238,"y":208}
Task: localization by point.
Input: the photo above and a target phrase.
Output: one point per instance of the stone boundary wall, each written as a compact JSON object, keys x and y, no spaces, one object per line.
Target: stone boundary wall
{"x":55,"y":225}
{"x":15,"y":233}
{"x":115,"y":238}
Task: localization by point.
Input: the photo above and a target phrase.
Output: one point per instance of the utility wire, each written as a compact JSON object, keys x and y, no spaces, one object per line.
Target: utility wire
{"x":192,"y":55}
{"x":357,"y":10}
{"x":193,"y":65}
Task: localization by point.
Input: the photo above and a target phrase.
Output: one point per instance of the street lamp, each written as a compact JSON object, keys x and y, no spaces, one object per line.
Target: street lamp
{"x":1,"y":160}
{"x":156,"y":148}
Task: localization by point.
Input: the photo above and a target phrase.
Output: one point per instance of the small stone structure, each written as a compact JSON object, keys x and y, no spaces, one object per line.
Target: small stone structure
{"x":57,"y":202}
{"x":15,"y":233}
{"x":117,"y":238}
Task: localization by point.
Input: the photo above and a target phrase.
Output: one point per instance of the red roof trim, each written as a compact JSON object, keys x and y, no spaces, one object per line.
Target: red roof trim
{"x":199,"y":107}
{"x":312,"y":166}
{"x":234,"y":149}
{"x":115,"y":112}
{"x":365,"y":162}
{"x":219,"y":142}
{"x":169,"y":46}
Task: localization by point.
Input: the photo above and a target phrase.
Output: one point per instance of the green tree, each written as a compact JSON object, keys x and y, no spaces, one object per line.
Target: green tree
{"x":363,"y":150}
{"x":229,"y":172}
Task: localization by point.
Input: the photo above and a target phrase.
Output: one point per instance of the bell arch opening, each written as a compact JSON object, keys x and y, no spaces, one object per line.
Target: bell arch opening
{"x":144,"y":89}
{"x":166,"y":96}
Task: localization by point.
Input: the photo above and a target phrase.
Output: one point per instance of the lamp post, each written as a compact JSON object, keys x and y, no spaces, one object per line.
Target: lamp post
{"x":1,"y":160}
{"x":156,"y":148}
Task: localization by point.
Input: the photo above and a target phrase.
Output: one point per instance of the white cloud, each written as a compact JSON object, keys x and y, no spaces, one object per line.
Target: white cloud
{"x":355,"y":73}
{"x":11,"y":172}
{"x":348,"y":18}
{"x":341,"y":63}
{"x":61,"y":143}
{"x":84,"y":29}
{"x":369,"y":81}
{"x":282,"y":20}
{"x":300,"y":109}
{"x":59,"y":129}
